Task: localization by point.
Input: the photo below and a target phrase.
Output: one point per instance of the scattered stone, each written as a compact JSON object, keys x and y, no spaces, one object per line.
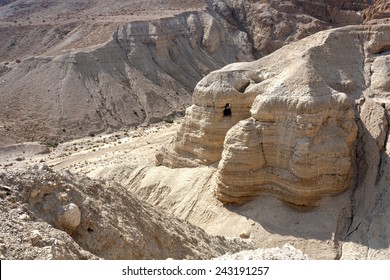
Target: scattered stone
{"x":287,"y":252}
{"x":24,"y":217}
{"x":34,"y":193}
{"x":69,"y":217}
{"x":35,"y":237}
{"x":245,"y":235}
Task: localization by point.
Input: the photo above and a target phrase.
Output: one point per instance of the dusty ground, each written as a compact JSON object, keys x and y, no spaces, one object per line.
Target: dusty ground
{"x":135,"y":146}
{"x":127,"y":156}
{"x":103,"y":154}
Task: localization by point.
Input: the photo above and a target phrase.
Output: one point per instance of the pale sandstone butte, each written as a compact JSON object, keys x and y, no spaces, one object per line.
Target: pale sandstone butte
{"x":296,"y":140}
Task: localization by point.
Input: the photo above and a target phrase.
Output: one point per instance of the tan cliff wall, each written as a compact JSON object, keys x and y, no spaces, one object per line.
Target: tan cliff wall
{"x":299,"y":143}
{"x":205,"y":125}
{"x":103,"y":70}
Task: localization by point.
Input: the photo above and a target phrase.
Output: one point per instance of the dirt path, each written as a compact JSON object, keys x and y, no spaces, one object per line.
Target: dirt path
{"x":138,"y":146}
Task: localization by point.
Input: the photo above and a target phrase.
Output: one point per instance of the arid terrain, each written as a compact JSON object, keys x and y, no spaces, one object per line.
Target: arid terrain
{"x":115,"y":142}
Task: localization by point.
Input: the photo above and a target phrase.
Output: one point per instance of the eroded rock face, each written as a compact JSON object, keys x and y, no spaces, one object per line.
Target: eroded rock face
{"x":97,"y":76}
{"x":202,"y":134}
{"x":379,"y":10}
{"x":298,"y":143}
{"x":143,"y":73}
{"x":58,"y":215}
{"x":295,"y":155}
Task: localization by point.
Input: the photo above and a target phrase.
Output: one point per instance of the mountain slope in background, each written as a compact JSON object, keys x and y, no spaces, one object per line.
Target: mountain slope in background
{"x":74,"y":68}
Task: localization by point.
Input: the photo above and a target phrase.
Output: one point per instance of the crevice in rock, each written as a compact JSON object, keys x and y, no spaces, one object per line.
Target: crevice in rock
{"x":361,"y":166}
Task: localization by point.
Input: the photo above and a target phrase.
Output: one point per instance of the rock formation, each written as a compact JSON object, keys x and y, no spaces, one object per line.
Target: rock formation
{"x":65,"y":216}
{"x":201,"y":136}
{"x":379,"y":10}
{"x":75,"y":75}
{"x":298,"y":143}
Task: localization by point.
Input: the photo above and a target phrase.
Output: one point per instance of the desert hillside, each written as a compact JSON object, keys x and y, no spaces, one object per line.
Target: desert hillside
{"x":98,"y":66}
{"x":223,"y":129}
{"x":62,"y":216}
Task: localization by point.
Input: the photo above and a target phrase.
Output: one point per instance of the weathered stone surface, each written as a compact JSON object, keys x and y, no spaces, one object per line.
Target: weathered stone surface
{"x":69,"y":217}
{"x":75,"y":217}
{"x":114,"y":71}
{"x":305,"y":130}
{"x":205,"y":125}
{"x":143,"y":73}
{"x":298,"y":143}
{"x":379,"y":10}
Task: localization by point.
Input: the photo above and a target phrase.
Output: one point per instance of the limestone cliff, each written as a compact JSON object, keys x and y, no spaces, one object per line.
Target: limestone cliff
{"x":297,"y":109}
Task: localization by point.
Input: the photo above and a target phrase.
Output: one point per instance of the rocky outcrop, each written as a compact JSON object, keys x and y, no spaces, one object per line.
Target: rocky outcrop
{"x":298,"y":143}
{"x":201,"y":135}
{"x":342,"y":12}
{"x":379,"y":10}
{"x":269,"y":24}
{"x":65,"y":216}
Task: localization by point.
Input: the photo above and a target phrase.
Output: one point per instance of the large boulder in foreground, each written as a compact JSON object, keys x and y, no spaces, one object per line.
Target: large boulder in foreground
{"x":292,"y":127}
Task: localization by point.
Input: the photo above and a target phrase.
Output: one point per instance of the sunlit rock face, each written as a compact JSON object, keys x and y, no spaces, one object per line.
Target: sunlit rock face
{"x":292,"y":128}
{"x":294,"y":152}
{"x":220,"y":100}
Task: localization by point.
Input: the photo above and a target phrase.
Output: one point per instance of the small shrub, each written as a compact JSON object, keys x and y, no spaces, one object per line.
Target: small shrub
{"x":18,"y":61}
{"x":52,"y":145}
{"x":169,"y":119}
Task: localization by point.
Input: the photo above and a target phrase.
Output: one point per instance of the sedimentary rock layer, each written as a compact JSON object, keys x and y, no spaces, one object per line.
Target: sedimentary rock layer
{"x":298,"y":143}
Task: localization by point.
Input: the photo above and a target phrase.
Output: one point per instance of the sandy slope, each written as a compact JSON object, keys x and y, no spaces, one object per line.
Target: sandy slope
{"x":129,"y":159}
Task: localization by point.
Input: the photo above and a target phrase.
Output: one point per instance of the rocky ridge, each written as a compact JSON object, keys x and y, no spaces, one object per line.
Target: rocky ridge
{"x":58,"y":215}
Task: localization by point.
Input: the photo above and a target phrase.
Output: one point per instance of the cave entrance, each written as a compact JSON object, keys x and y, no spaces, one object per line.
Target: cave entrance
{"x":227,"y":112}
